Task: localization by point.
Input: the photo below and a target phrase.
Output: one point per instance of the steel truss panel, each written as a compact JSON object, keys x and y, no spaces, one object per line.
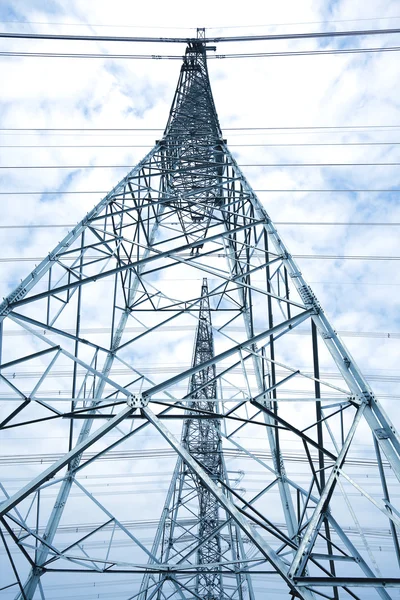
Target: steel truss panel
{"x":267,"y":491}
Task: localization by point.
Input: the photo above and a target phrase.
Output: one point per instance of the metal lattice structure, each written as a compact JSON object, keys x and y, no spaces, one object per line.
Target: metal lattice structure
{"x":191,"y":512}
{"x":89,"y":322}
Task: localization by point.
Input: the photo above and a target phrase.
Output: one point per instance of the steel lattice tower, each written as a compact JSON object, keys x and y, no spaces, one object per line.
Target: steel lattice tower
{"x":191,"y":524}
{"x":94,"y":315}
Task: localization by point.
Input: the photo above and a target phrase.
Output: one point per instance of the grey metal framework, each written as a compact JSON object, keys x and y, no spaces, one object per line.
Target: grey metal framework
{"x":74,"y":336}
{"x":202,"y":439}
{"x":192,"y":523}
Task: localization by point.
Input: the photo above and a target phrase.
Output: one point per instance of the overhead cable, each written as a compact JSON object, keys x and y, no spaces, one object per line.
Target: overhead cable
{"x":179,"y":57}
{"x":270,"y":128}
{"x":230,"y":145}
{"x":125,"y":26}
{"x":37,"y":259}
{"x":291,"y":191}
{"x":296,"y":223}
{"x":189,"y":167}
{"x":186,"y":40}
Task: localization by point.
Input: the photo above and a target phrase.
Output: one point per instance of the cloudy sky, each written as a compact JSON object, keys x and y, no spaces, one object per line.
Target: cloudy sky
{"x":331,"y":108}
{"x":313,"y":91}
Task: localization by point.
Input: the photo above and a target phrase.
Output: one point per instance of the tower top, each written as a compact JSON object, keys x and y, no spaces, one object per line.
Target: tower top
{"x":193,"y":111}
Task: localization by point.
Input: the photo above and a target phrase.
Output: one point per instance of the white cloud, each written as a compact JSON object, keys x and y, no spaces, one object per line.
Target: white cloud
{"x":262,"y":92}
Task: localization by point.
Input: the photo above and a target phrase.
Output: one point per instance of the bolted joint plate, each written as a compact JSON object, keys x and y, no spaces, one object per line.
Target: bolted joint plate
{"x":309,"y":298}
{"x":137,"y":401}
{"x":382,"y":433}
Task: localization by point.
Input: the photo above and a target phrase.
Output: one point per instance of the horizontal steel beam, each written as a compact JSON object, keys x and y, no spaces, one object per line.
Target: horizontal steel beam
{"x":348,"y":581}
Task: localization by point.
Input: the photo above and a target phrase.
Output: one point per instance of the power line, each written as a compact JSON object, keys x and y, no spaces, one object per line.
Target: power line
{"x":301,"y":223}
{"x":274,"y":128}
{"x":212,"y":56}
{"x":372,"y":164}
{"x":230,"y":145}
{"x":347,"y":191}
{"x":334,"y":283}
{"x":87,"y":128}
{"x":48,"y":193}
{"x":105,"y":55}
{"x":340,"y":257}
{"x":303,"y":145}
{"x":299,"y":23}
{"x":185,"y":40}
{"x":126,"y":26}
{"x":245,"y":132}
{"x":307,"y":52}
{"x":91,"y":134}
{"x":96,"y":146}
{"x":343,"y":224}
{"x":194,"y":28}
{"x":305,"y":127}
{"x":156,"y":453}
{"x":277,"y":165}
{"x":291,"y":191}
{"x":231,"y":329}
{"x":302,"y":256}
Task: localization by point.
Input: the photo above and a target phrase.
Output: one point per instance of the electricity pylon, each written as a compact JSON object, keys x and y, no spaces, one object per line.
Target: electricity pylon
{"x":103,"y":304}
{"x":191,"y":525}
